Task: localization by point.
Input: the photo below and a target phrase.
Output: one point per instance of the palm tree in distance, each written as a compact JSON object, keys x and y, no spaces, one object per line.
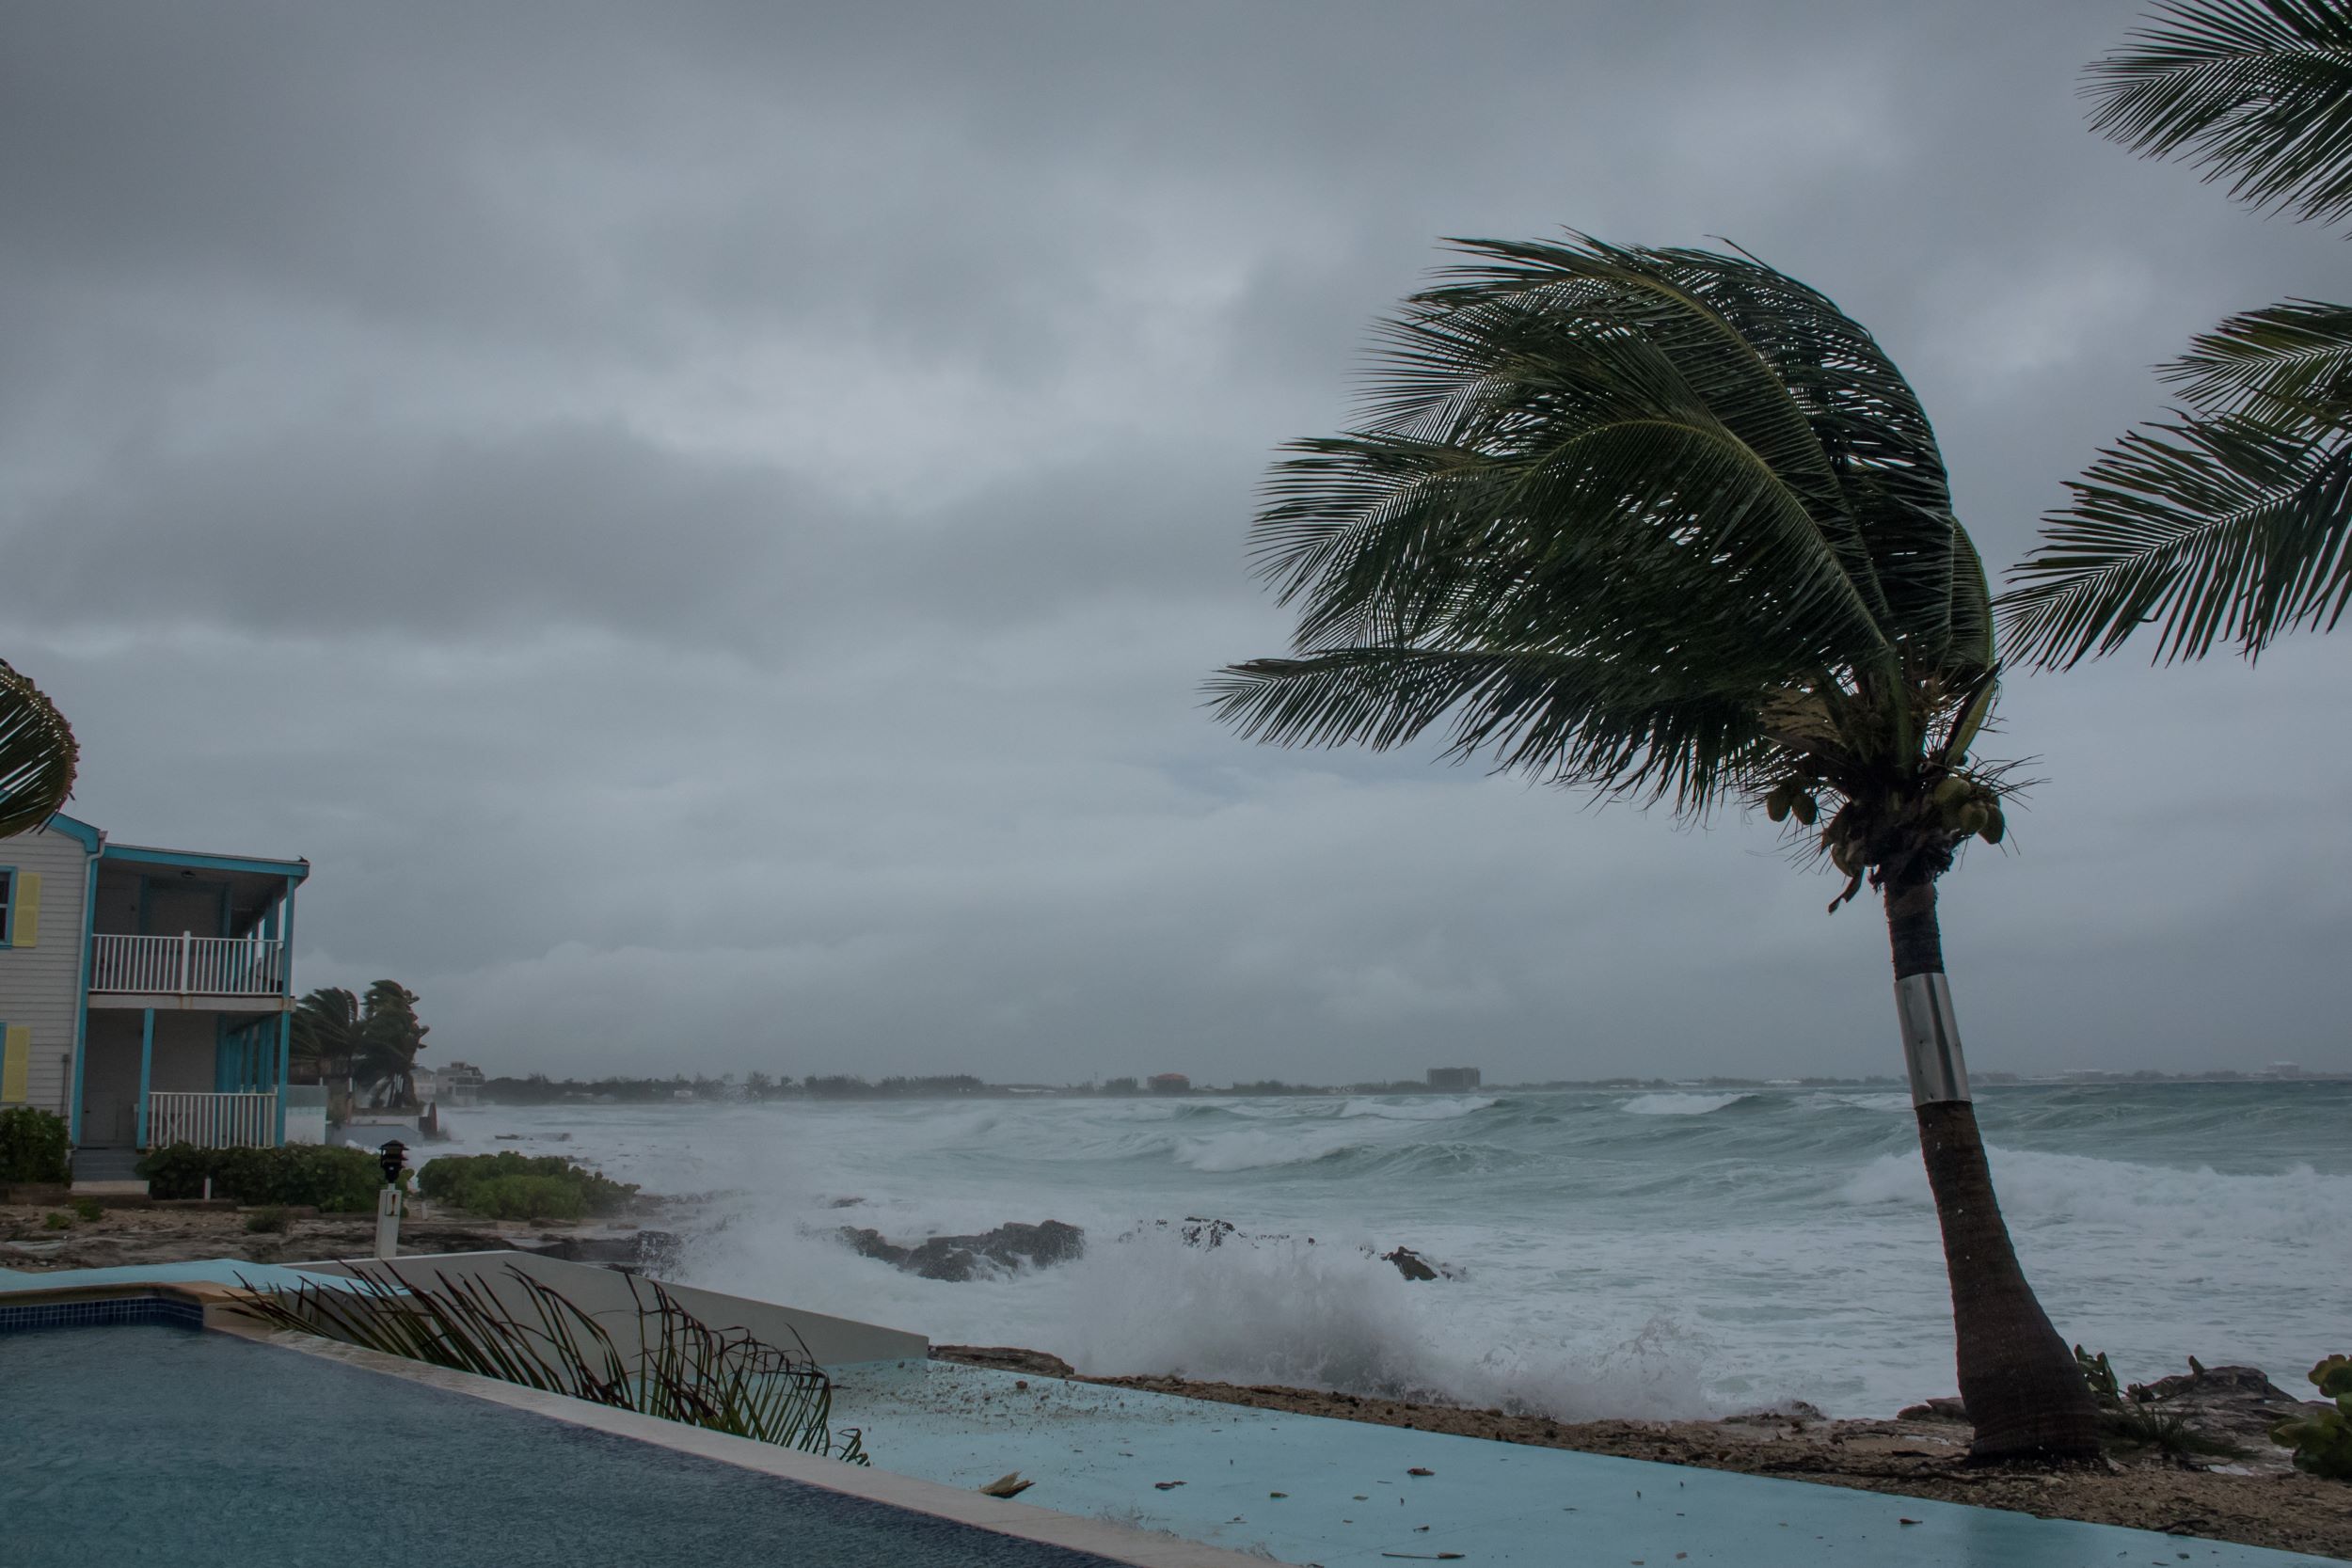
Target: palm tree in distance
{"x":2232,"y":522}
{"x":1666,"y":524}
{"x":37,"y":755}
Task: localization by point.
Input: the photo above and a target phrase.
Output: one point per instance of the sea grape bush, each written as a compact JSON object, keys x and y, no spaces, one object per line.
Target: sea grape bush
{"x":520,"y":1186}
{"x":34,"y":1146}
{"x":2322,"y":1441}
{"x":337,"y":1180}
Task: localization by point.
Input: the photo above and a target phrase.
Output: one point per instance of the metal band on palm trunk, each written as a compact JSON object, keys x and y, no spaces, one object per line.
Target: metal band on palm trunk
{"x":1923,"y":1003}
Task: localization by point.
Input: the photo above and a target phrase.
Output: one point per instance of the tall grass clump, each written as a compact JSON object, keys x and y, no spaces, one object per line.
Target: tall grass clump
{"x":685,"y":1370}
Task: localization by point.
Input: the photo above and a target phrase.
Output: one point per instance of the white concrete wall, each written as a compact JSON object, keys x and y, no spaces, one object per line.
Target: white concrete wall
{"x":41,"y":986}
{"x":604,"y":1294}
{"x":306,"y":1112}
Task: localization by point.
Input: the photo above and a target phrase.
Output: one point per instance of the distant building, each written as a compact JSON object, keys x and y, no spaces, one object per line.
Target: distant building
{"x":1454,"y":1079}
{"x":461,"y":1084}
{"x":1171,"y":1082}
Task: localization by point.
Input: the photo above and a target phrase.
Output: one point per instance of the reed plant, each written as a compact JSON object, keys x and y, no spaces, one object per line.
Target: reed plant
{"x":683,"y":1369}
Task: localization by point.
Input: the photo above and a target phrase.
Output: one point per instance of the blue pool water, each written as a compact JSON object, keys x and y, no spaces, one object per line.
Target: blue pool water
{"x":154,"y":1444}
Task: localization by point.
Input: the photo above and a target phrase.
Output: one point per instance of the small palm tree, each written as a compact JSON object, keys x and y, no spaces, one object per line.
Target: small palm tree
{"x":37,"y":755}
{"x":2232,"y":521}
{"x":324,"y":1042}
{"x":390,"y":1036}
{"x":1666,"y":524}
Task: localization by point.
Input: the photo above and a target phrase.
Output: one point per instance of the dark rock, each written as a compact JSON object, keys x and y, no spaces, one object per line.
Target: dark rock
{"x":1935,"y":1410}
{"x":1200,"y":1232}
{"x":956,"y":1258}
{"x":2236,"y":1404}
{"x":1005,"y":1359}
{"x":637,"y":1252}
{"x":1410,"y":1264}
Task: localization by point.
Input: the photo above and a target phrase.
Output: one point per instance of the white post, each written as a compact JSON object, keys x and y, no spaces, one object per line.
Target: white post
{"x":388,"y":1223}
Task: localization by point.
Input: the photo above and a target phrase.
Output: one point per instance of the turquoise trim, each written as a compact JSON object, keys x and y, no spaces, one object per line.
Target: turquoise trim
{"x":285,"y":1056}
{"x":147,"y":1073}
{"x":285,"y":952}
{"x":90,"y":838}
{"x":294,"y":871}
{"x":81,"y":1022}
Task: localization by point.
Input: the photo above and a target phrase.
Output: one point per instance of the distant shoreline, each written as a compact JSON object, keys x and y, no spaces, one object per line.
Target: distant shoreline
{"x":509,"y":1093}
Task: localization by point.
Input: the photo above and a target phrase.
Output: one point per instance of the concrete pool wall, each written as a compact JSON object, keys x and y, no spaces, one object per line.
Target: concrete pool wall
{"x":604,"y":1294}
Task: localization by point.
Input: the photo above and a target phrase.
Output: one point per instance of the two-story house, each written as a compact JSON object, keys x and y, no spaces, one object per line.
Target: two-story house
{"x":146,"y":994}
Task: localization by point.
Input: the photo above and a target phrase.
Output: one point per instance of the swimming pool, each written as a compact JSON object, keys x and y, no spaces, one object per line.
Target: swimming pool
{"x":150,"y":1443}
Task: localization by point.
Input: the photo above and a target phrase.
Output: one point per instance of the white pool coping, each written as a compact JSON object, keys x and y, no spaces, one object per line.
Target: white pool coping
{"x":1116,"y":1542}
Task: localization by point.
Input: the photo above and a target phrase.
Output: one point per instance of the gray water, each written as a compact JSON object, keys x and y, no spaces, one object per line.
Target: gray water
{"x":1619,"y":1253}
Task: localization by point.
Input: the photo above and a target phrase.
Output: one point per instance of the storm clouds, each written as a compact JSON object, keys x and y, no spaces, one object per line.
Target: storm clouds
{"x":706,"y":523}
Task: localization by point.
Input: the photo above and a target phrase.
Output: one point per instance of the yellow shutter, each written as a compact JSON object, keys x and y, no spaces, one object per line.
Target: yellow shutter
{"x":24,"y":929}
{"x":16,"y":1063}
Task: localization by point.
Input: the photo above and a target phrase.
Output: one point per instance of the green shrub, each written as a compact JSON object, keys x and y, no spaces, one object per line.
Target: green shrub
{"x":526,"y":1197}
{"x":2322,"y":1441}
{"x":34,"y":1146}
{"x":273,"y":1221}
{"x":88,"y":1209}
{"x":334,"y":1180}
{"x":58,"y":1220}
{"x":463,"y":1180}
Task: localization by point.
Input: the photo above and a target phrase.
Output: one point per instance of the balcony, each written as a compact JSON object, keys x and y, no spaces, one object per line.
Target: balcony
{"x":211,"y":1121}
{"x":187,"y":966}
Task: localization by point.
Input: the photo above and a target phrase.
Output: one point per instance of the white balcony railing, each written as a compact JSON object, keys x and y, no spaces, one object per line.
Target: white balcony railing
{"x":189,"y":965}
{"x":211,"y":1120}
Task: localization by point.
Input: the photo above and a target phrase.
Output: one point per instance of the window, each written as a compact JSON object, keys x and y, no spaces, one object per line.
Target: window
{"x":7,"y":905}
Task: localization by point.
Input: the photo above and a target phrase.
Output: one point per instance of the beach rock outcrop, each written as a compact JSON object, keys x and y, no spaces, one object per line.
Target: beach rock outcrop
{"x":957,"y":1258}
{"x":1201,"y":1231}
{"x":2236,"y":1406}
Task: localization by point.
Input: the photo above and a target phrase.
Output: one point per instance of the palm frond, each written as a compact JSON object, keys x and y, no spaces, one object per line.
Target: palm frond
{"x":37,"y":755}
{"x":2287,"y":365}
{"x":2211,"y":530}
{"x":2258,"y":92}
{"x":1563,"y":718}
{"x":1601,"y":501}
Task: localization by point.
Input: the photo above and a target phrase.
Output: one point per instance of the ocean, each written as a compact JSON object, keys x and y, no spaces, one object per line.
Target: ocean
{"x":1614,"y":1253}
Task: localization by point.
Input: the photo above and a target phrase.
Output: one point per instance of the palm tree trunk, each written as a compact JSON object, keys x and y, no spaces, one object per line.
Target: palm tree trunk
{"x":2024,"y":1393}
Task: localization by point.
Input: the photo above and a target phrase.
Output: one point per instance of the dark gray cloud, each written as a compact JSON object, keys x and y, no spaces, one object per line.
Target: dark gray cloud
{"x":706,"y":522}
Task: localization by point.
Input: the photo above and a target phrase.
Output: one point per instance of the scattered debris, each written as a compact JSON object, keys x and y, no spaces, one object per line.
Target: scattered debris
{"x":1007,"y":1485}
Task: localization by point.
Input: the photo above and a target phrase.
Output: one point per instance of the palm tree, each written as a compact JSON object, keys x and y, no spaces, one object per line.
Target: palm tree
{"x":323,"y":1040}
{"x":390,"y":1036}
{"x":37,"y":755}
{"x":2230,"y":521}
{"x":1666,"y":523}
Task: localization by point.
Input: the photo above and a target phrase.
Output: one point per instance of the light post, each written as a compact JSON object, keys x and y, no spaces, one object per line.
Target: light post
{"x":394,"y":1157}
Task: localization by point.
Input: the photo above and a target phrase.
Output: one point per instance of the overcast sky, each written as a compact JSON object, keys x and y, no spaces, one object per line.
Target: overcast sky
{"x":706,"y":523}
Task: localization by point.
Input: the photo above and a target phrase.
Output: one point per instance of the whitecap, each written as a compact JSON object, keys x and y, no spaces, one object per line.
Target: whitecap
{"x":1680,"y":1104}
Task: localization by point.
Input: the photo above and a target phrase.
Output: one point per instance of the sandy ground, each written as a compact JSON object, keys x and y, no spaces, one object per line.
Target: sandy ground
{"x":2252,"y":1495}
